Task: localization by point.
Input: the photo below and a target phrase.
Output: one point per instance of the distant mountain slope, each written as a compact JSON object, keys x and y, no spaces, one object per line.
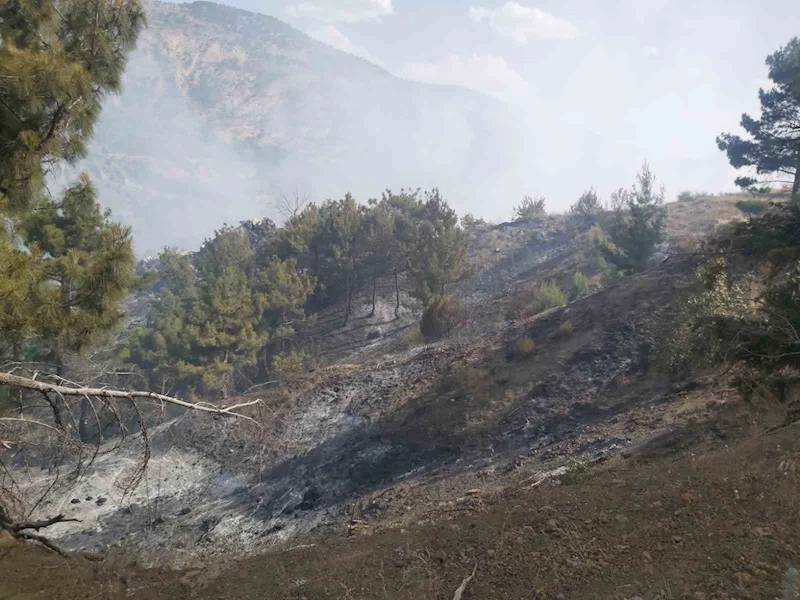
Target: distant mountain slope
{"x":223,"y":109}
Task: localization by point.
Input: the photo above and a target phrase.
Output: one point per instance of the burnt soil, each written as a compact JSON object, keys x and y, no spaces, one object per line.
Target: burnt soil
{"x":708,"y":512}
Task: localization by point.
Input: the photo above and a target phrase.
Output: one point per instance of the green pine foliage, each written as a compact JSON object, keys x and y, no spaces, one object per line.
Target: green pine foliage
{"x":580,"y":286}
{"x":772,"y":146}
{"x":65,"y":267}
{"x":214,"y":315}
{"x":439,"y":256}
{"x":752,"y":207}
{"x":587,"y":207}
{"x":220,"y":314}
{"x":54,"y":82}
{"x":549,"y":295}
{"x":441,"y":317}
{"x":530,"y":209}
{"x":636,"y":225}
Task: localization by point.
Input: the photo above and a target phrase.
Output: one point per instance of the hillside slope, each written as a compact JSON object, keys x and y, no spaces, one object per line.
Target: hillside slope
{"x":223,"y":110}
{"x":575,"y":470}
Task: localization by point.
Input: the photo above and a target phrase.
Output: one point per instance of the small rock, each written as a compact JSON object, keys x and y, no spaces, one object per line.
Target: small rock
{"x":89,"y":498}
{"x":490,"y":552}
{"x":473,"y":492}
{"x":185,"y":511}
{"x":677,"y":539}
{"x":101,"y":501}
{"x":75,"y":501}
{"x":622,"y":519}
{"x":561,"y":597}
{"x":647,"y":556}
{"x":656,"y":504}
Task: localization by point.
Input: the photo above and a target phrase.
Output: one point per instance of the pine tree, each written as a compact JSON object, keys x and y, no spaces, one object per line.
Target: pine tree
{"x":224,"y":330}
{"x":79,"y":270}
{"x":58,"y":61}
{"x":300,"y":240}
{"x":402,"y":211}
{"x":440,"y":248}
{"x":210,"y":322}
{"x":64,"y":266}
{"x":342,"y":239}
{"x":773,"y":147}
{"x":636,"y":225}
{"x":587,"y":207}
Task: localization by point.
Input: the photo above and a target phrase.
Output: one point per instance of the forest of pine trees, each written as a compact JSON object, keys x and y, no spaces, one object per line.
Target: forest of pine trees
{"x":224,"y":310}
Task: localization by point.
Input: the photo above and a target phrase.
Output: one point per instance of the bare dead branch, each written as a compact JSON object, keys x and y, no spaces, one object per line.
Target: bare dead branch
{"x":37,"y":525}
{"x":33,"y":422}
{"x":43,"y":541}
{"x":460,"y":591}
{"x":40,"y":386}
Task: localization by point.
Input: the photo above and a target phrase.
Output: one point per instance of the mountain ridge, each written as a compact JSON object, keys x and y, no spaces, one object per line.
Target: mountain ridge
{"x":222,"y":110}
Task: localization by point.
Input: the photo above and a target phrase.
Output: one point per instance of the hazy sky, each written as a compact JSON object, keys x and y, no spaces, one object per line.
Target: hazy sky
{"x":600,"y":85}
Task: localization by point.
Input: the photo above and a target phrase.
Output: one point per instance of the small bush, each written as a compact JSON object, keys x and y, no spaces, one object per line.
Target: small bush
{"x":549,"y":295}
{"x":524,"y":347}
{"x":288,"y":362}
{"x":575,"y":471}
{"x":530,"y":209}
{"x":580,"y":286}
{"x":411,"y":339}
{"x":442,"y":315}
{"x":469,"y":221}
{"x":587,"y":207}
{"x":565,"y":327}
{"x":688,"y":196}
{"x":752,"y":208}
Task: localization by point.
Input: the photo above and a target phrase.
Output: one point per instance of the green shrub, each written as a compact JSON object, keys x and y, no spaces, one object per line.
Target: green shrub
{"x":530,"y":209}
{"x":575,"y":471}
{"x":587,"y":207}
{"x":469,"y":221}
{"x":706,"y":321}
{"x":565,"y":327}
{"x":752,"y":207}
{"x":288,"y":362}
{"x":549,"y":295}
{"x":442,"y":315}
{"x":689,"y":196}
{"x":523,"y":347}
{"x":580,"y":286}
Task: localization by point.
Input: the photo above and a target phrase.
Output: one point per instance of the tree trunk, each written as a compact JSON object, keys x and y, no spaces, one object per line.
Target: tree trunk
{"x":397,"y":294}
{"x":83,"y":422}
{"x":374,"y":289}
{"x":796,"y":185}
{"x":349,"y":285}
